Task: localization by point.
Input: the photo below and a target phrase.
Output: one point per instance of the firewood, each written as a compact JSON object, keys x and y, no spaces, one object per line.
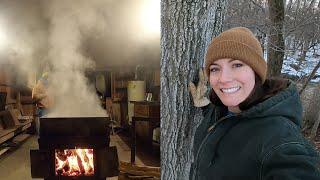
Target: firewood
{"x":139,"y":171}
{"x":127,"y":165}
{"x":141,"y":177}
{"x":130,"y":177}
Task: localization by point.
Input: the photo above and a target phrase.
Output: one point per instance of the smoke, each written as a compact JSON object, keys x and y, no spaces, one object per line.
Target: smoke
{"x":72,"y":96}
{"x":127,"y":40}
{"x":69,"y":23}
{"x":70,"y":37}
{"x":23,"y":40}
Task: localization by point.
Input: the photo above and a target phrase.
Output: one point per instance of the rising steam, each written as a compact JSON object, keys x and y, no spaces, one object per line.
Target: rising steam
{"x":71,"y":37}
{"x":68,"y":84}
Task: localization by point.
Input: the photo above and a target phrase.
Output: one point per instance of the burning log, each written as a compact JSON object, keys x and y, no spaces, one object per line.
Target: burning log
{"x":81,"y":168}
{"x":66,"y":167}
{"x":85,"y":157}
{"x":74,"y":162}
{"x":61,"y":155}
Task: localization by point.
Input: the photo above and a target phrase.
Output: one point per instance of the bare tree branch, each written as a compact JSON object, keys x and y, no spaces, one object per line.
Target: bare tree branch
{"x":310,"y":77}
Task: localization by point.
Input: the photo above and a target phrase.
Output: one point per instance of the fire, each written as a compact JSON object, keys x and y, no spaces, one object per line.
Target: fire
{"x":74,"y":162}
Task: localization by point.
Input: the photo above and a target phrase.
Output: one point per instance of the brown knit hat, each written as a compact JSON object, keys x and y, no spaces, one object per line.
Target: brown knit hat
{"x":237,"y":43}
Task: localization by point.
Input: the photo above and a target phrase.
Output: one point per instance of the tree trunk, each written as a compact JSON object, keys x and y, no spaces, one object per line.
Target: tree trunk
{"x":187,"y":28}
{"x":311,"y":103}
{"x":303,"y":51}
{"x":317,"y":120}
{"x":315,"y":128}
{"x":276,"y":41}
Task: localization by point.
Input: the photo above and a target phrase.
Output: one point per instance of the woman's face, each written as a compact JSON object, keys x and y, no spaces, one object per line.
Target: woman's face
{"x":232,"y":81}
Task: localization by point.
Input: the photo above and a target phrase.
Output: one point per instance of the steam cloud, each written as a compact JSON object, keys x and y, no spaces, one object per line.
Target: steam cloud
{"x":68,"y":84}
{"x":73,"y":36}
{"x":24,"y":39}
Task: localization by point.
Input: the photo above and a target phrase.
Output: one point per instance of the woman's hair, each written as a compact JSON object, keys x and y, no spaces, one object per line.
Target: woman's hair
{"x":259,"y":93}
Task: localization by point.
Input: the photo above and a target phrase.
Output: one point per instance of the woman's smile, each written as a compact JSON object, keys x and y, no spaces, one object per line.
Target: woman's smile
{"x":230,"y":90}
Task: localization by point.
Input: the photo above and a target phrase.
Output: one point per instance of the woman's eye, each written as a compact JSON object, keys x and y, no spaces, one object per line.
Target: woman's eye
{"x":214,"y":69}
{"x":236,"y":65}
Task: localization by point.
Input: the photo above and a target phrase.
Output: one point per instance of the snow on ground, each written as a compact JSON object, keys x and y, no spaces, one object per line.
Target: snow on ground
{"x":291,"y":64}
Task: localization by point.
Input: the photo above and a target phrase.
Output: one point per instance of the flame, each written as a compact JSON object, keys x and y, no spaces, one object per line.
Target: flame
{"x":74,"y":162}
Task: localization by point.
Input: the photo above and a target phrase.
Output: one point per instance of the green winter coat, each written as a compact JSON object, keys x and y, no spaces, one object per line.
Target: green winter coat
{"x":263,"y":142}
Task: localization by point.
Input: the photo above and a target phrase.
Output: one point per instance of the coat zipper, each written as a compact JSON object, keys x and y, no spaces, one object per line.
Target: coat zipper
{"x":209,"y":131}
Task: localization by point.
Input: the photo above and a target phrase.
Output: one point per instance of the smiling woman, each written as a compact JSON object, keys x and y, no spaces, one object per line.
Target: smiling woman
{"x":251,"y":125}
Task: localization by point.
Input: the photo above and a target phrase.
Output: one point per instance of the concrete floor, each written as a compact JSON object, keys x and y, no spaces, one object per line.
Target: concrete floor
{"x":16,"y":165}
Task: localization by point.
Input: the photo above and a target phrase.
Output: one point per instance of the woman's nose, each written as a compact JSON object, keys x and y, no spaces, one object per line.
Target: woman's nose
{"x":225,"y":76}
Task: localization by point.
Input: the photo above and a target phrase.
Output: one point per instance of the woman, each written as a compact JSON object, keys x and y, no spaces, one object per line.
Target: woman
{"x":251,"y":127}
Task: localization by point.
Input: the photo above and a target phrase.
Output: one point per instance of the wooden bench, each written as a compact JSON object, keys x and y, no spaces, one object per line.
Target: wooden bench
{"x":6,"y":134}
{"x":12,"y":123}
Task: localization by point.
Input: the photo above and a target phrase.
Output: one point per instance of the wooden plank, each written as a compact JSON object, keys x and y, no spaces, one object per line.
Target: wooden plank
{"x":20,"y":138}
{"x":7,"y":120}
{"x":6,"y":137}
{"x":7,"y":131}
{"x":14,"y":114}
{"x":26,"y":126}
{"x":135,"y":170}
{"x":4,"y":150}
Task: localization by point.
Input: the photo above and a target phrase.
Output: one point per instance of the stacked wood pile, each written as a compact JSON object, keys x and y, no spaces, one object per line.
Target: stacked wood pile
{"x":129,"y":172}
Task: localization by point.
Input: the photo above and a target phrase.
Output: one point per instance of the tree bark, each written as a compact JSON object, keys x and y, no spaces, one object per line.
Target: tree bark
{"x":315,"y":128}
{"x":317,"y":121}
{"x":276,"y":44}
{"x":187,"y":28}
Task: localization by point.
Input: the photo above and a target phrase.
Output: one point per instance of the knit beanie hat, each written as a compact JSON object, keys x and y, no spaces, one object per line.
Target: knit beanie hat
{"x":237,"y":43}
